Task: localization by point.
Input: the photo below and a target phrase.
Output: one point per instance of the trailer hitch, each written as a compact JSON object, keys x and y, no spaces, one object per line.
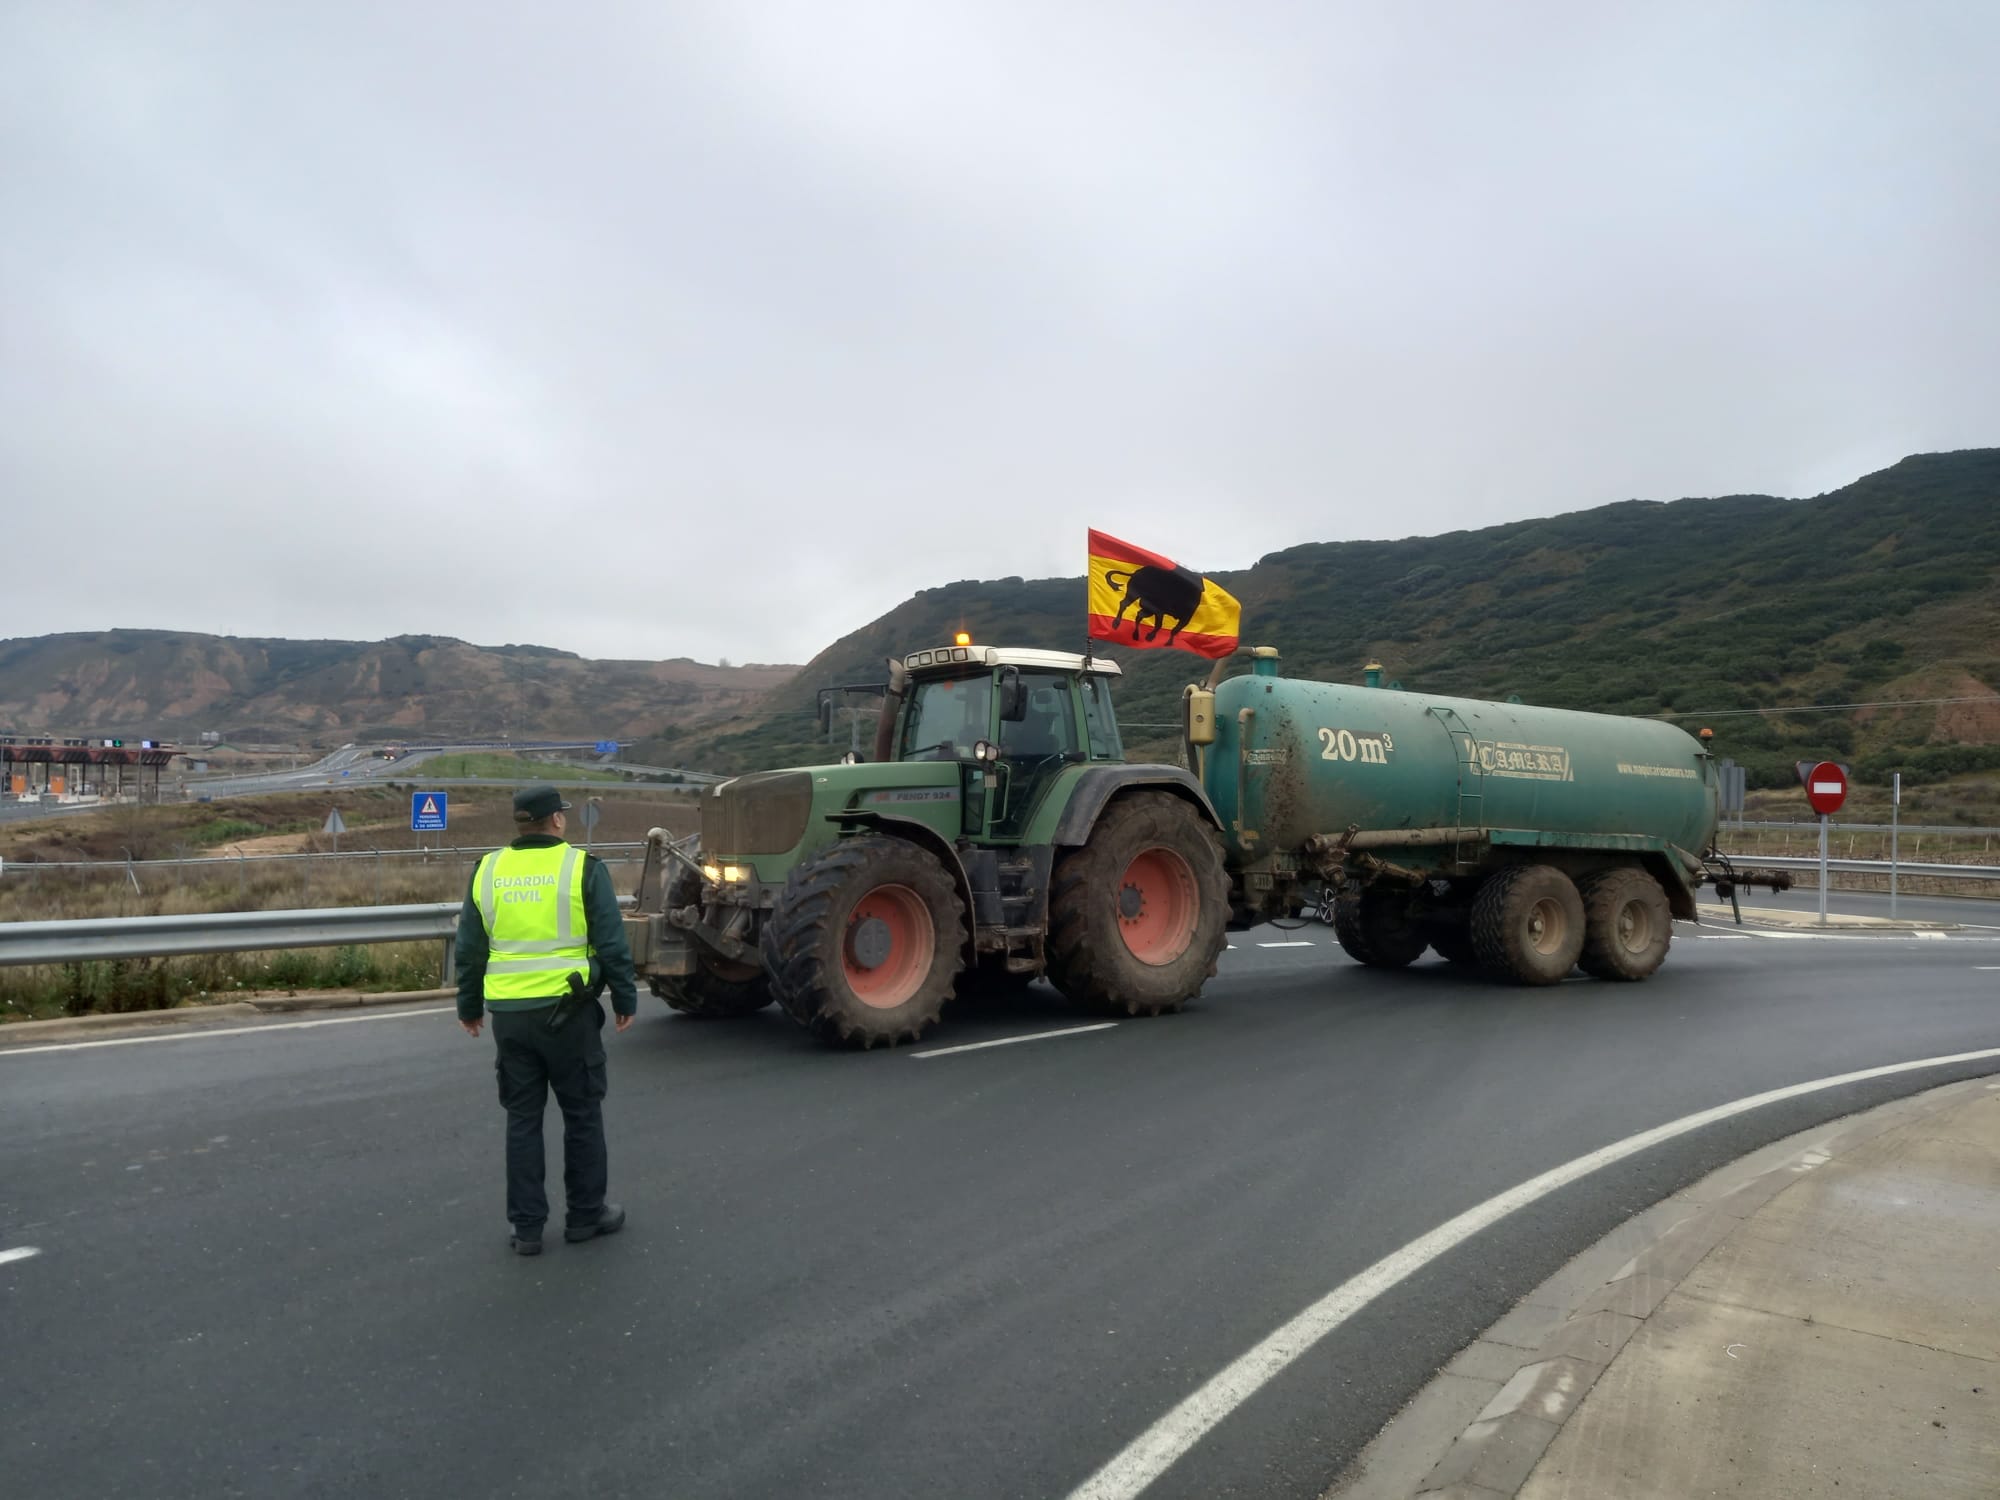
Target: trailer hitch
{"x":1728,"y":880}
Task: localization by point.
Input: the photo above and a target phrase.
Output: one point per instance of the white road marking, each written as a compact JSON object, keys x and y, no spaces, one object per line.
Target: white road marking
{"x":1986,"y":968}
{"x":203,"y":1034}
{"x":1160,"y":1446}
{"x":25,"y":1252}
{"x":1008,"y":1041}
{"x":1294,"y":943}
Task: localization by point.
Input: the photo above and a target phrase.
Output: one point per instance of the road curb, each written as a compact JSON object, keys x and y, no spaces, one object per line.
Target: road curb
{"x":248,"y":1007}
{"x":1478,"y":1429}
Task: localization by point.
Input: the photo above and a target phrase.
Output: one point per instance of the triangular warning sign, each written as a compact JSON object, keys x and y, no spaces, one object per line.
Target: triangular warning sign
{"x":335,"y":823}
{"x":430,"y":807}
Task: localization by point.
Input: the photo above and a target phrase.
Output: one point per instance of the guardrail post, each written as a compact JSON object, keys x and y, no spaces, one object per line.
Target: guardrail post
{"x":448,"y":970}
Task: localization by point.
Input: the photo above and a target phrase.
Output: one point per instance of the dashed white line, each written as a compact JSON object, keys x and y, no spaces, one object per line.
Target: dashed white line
{"x":203,"y":1033}
{"x":1008,"y":1041}
{"x":25,"y":1252}
{"x":1160,"y":1446}
{"x":1294,"y":943}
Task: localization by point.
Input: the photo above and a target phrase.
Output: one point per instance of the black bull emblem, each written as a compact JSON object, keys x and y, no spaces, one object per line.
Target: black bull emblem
{"x":1163,"y":598}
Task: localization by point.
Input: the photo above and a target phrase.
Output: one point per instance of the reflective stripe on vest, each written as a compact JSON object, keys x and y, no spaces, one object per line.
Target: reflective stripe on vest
{"x":531,"y":902}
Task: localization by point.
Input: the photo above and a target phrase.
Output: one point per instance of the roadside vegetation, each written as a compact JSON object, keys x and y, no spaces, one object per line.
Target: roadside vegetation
{"x":379,"y":865}
{"x":1884,"y":589}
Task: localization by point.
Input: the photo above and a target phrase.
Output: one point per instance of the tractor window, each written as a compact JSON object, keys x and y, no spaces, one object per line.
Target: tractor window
{"x":1099,"y":720}
{"x":947,"y":716}
{"x":1050,"y":727}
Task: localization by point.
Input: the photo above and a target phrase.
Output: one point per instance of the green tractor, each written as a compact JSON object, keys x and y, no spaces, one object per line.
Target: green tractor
{"x":995,"y":837}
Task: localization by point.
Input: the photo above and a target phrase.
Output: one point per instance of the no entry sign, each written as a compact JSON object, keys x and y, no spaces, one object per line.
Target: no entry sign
{"x":1826,"y":788}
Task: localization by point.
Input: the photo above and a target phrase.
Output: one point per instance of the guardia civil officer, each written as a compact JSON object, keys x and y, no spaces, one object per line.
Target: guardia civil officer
{"x":539,"y":939}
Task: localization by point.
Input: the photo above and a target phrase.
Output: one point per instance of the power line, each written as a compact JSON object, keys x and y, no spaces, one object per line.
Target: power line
{"x":1826,"y":708}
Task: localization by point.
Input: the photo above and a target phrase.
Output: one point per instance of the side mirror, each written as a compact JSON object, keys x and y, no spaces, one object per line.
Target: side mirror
{"x":1013,"y":696}
{"x":825,"y":712}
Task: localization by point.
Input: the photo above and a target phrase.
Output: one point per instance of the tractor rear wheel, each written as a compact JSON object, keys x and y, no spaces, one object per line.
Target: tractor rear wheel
{"x":1136,"y":916}
{"x":1379,"y":928}
{"x":866,"y":941}
{"x":1627,"y":924}
{"x":1527,"y":923}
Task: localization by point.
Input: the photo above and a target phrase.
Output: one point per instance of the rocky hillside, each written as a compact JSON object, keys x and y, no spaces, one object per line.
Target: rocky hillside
{"x":1888,"y":588}
{"x":167,"y":684}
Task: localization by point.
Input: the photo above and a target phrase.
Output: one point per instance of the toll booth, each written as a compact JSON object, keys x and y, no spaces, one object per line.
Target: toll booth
{"x":35,"y":767}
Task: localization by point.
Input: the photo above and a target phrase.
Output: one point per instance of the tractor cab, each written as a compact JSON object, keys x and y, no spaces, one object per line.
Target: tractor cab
{"x":1011,"y":719}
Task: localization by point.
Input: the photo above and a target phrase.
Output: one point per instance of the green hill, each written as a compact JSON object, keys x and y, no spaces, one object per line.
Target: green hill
{"x":1884,"y":589}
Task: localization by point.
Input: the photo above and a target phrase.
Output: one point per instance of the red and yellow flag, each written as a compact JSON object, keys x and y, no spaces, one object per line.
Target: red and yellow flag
{"x":1139,"y":598}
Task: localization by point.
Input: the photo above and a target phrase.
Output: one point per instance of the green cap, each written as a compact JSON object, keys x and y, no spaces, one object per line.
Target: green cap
{"x":534,"y":803}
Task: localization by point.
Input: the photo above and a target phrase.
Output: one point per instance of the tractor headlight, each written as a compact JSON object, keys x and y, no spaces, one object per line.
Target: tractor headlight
{"x":736,"y":874}
{"x":712,"y":874}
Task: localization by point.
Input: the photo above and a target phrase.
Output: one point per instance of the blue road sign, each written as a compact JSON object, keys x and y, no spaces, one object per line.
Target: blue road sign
{"x":607,"y":747}
{"x":429,"y":812}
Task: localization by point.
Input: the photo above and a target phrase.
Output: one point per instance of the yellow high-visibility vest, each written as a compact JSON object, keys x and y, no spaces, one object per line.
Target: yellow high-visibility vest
{"x":537,"y":934}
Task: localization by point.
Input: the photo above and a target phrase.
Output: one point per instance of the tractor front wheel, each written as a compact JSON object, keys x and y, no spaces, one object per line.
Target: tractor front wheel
{"x":866,"y":941}
{"x":1136,"y":916}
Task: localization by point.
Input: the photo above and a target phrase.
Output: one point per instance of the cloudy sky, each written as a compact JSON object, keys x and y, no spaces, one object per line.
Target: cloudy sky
{"x":715,"y":330}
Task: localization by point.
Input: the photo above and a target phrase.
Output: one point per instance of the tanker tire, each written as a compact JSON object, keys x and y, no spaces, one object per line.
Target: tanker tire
{"x":805,"y":939}
{"x":1527,"y":924}
{"x":1627,"y":924}
{"x":1377,"y":928}
{"x":988,"y":982}
{"x":1454,"y":946}
{"x":1089,"y":959}
{"x":713,"y":994}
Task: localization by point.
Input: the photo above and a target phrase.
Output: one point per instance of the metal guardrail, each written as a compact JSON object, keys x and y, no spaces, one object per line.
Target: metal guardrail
{"x":1902,"y":867}
{"x":610,"y":853}
{"x":1839,"y":826}
{"x":101,"y":938}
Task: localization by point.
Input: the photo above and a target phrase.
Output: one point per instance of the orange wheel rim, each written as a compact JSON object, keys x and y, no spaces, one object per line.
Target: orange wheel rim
{"x":888,"y":947}
{"x":1158,"y":905}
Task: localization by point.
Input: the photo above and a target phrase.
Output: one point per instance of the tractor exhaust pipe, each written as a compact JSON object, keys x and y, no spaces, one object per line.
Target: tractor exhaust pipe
{"x":892,"y":700}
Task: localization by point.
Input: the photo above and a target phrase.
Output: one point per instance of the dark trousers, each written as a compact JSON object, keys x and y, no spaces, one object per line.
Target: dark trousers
{"x":570,"y":1061}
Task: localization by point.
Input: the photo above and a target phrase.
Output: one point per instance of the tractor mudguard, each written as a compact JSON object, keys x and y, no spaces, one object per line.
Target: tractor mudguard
{"x":1097,"y":786}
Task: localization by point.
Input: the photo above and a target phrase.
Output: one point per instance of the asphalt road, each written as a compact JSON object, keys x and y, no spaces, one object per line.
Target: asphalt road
{"x":273,"y":1263}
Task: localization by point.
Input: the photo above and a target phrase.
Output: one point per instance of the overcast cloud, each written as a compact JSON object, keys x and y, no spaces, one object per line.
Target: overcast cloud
{"x":674,"y":329}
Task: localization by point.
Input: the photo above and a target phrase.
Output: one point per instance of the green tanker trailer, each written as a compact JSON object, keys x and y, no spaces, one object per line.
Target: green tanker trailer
{"x":1526,"y":841}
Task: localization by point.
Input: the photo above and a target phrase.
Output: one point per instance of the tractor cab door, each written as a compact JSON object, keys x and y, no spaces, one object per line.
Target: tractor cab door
{"x":946,"y":718}
{"x":1034,"y":749}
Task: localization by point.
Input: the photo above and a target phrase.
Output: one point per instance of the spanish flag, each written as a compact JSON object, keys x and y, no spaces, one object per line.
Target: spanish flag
{"x":1139,"y":598}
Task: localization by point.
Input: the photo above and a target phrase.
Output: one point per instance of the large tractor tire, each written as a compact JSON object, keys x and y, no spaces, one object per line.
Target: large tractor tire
{"x":1137,"y":915}
{"x":1379,"y":928}
{"x":1627,"y":924}
{"x":1527,"y":923}
{"x":866,"y":942}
